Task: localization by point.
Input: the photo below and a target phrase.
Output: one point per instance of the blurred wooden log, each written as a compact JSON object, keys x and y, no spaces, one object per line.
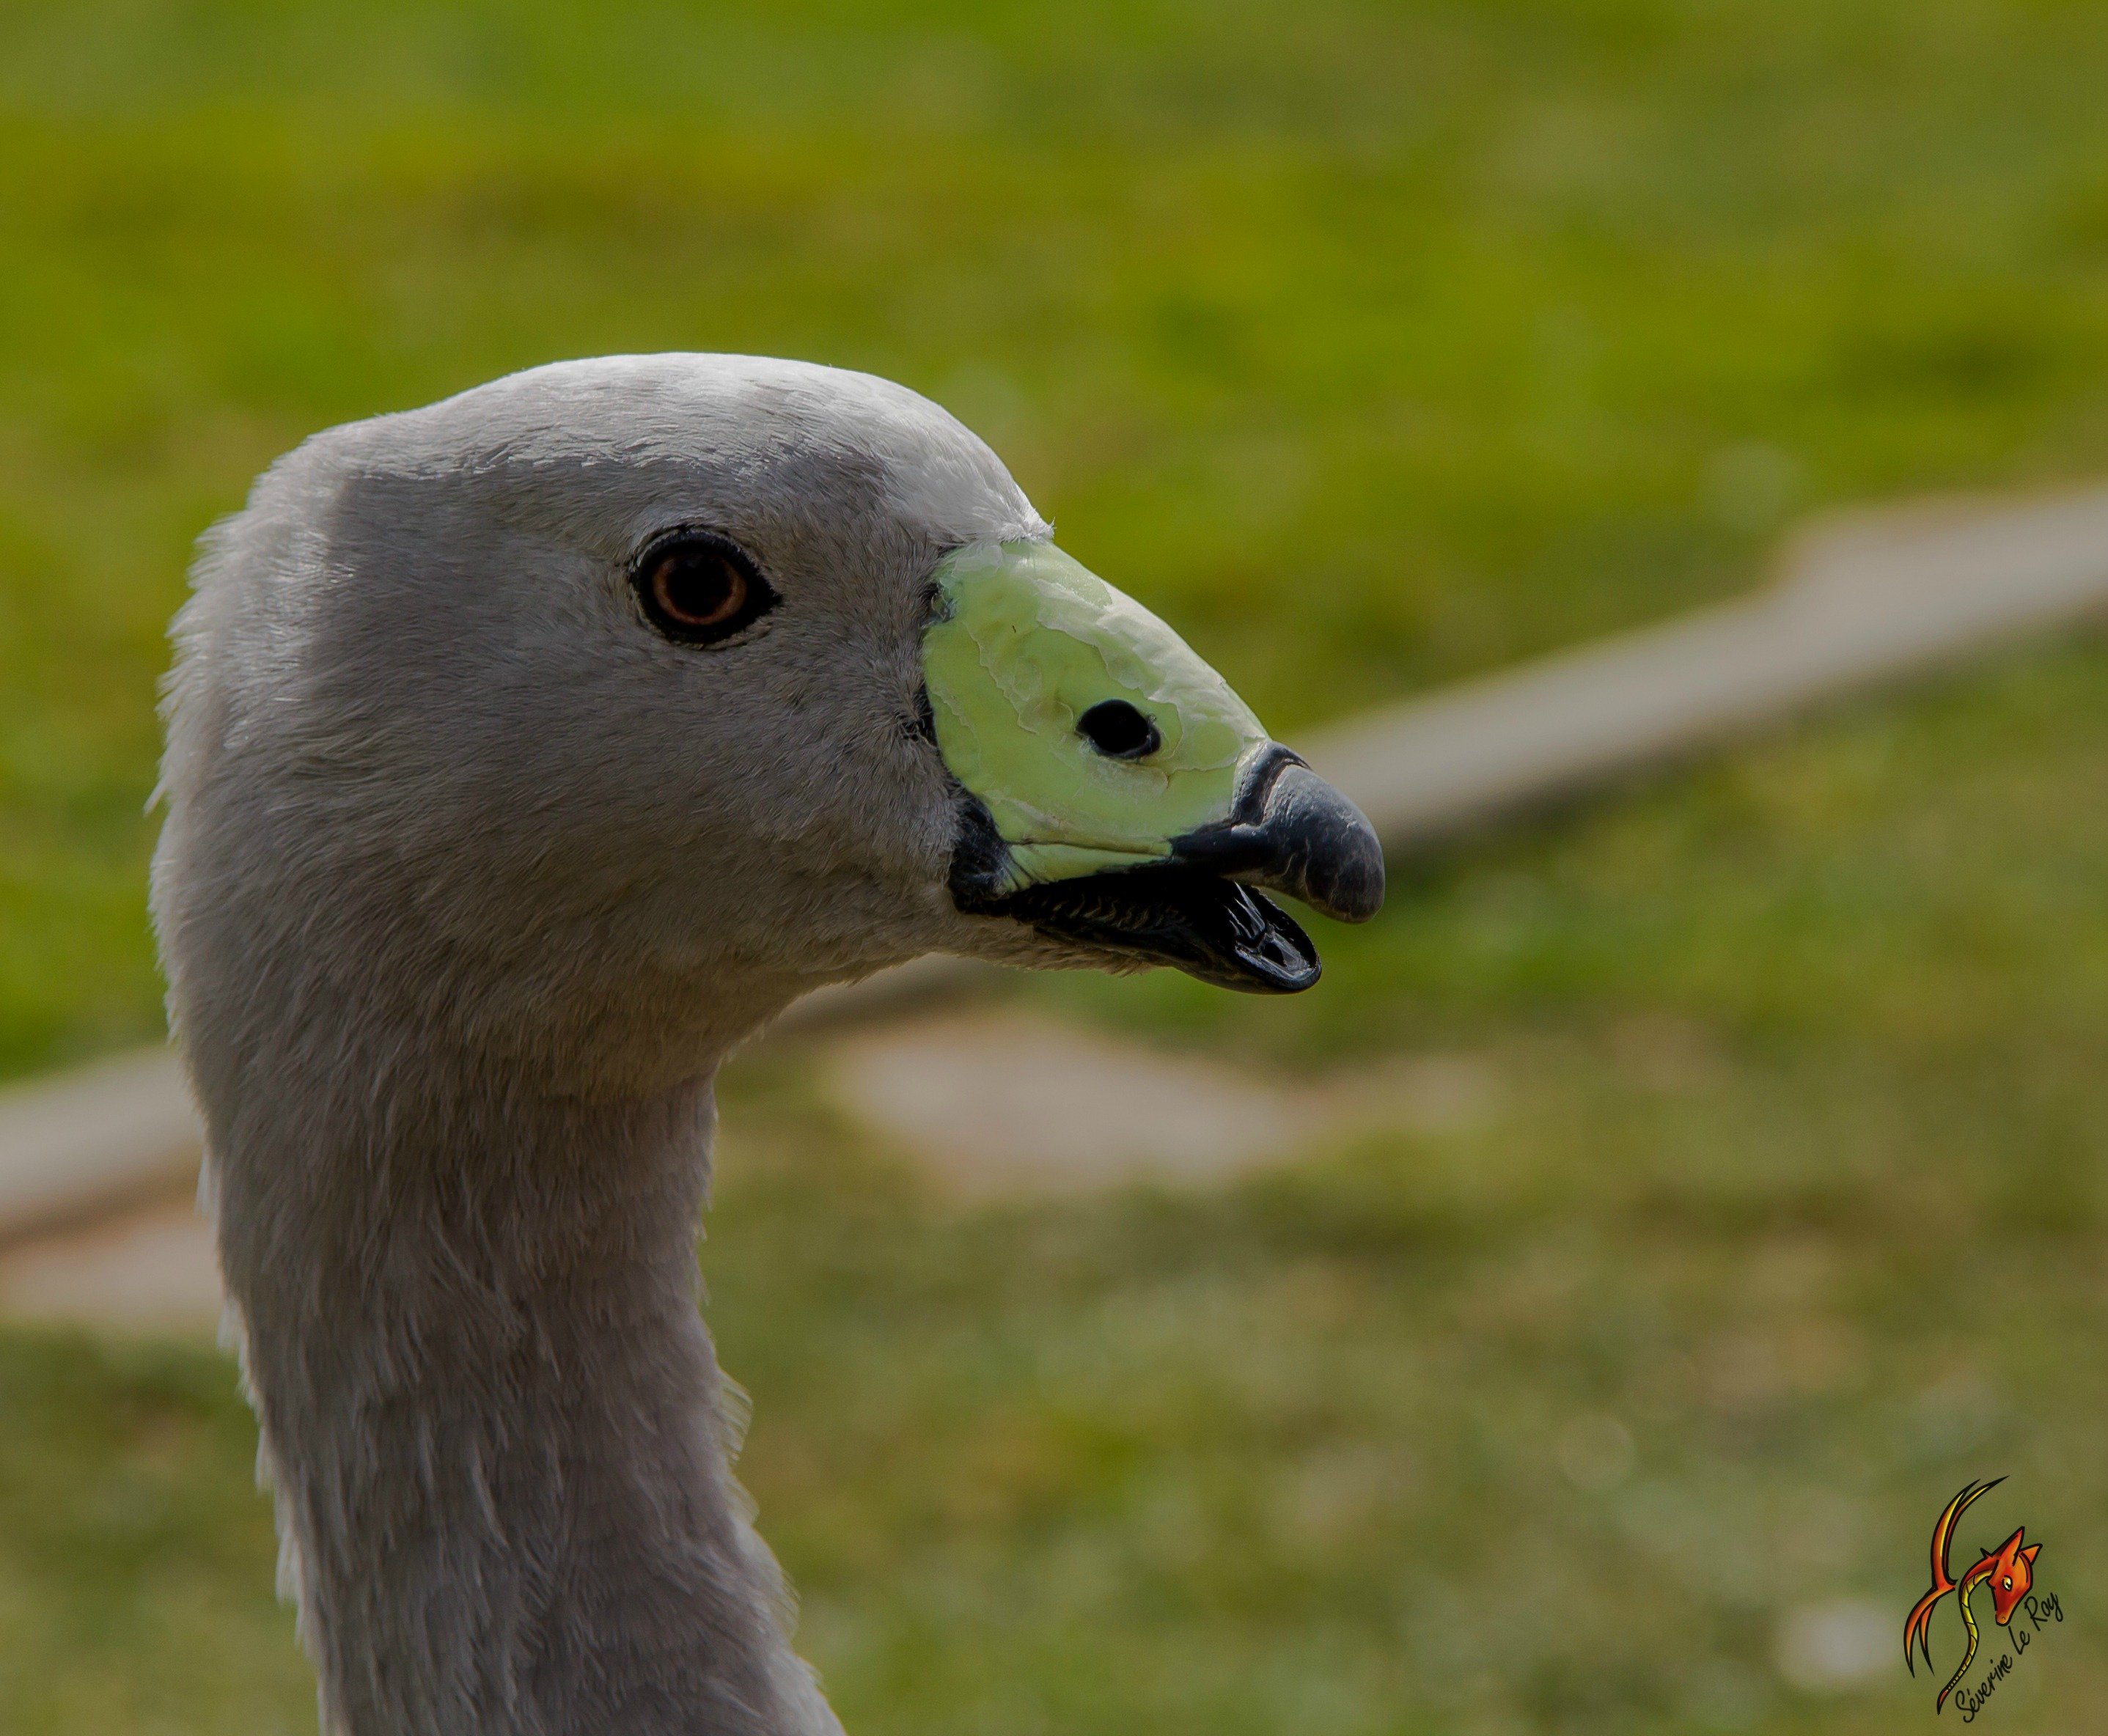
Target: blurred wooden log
{"x":91,"y":1140}
{"x":1865,"y":599}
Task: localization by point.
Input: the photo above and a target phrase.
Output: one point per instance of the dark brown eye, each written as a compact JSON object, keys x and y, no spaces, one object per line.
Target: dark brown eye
{"x":699,"y":587}
{"x":705,"y":593}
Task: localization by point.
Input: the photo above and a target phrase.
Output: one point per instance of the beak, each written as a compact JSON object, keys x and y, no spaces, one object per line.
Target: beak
{"x":1117,"y":796}
{"x":1293,"y":833}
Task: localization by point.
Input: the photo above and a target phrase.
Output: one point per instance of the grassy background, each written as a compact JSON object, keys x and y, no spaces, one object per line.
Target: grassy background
{"x":1374,"y":346}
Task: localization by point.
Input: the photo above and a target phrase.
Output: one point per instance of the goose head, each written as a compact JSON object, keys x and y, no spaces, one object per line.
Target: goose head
{"x":593,"y":715}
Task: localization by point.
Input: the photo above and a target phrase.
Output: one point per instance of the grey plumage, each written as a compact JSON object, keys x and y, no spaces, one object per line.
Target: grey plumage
{"x":466,"y":886}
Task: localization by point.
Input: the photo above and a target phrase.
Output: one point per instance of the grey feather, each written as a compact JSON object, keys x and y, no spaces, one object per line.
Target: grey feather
{"x":467,"y":884}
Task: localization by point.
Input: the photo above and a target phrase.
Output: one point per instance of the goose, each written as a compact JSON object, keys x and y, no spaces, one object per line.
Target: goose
{"x":525,"y":753}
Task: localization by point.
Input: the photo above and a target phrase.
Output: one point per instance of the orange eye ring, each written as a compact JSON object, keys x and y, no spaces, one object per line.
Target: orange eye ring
{"x":699,"y":587}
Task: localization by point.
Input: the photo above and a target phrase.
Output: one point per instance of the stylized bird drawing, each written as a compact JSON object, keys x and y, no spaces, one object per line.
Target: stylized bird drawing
{"x":2009,"y":1571}
{"x":525,"y":753}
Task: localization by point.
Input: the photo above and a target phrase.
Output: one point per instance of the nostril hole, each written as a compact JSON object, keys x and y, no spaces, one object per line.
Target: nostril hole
{"x":1119,"y":730}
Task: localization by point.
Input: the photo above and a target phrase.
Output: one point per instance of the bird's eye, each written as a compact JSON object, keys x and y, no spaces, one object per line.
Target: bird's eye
{"x":1119,"y":731}
{"x":700,"y":587}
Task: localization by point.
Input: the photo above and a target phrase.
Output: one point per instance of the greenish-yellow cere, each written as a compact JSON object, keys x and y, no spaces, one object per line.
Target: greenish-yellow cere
{"x":1028,"y":640}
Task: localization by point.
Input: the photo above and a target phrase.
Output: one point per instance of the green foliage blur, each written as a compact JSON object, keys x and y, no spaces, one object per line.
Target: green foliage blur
{"x":1372,"y":345}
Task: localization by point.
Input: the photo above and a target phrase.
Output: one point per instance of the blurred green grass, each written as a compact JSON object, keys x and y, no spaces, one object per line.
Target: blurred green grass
{"x":1374,"y":346}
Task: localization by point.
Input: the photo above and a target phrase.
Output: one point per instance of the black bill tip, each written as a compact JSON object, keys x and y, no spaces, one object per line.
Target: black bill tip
{"x":1324,"y":850}
{"x":1294,"y":833}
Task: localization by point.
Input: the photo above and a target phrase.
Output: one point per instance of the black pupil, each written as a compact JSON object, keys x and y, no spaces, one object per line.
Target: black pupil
{"x":1119,"y":730}
{"x":699,"y":587}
